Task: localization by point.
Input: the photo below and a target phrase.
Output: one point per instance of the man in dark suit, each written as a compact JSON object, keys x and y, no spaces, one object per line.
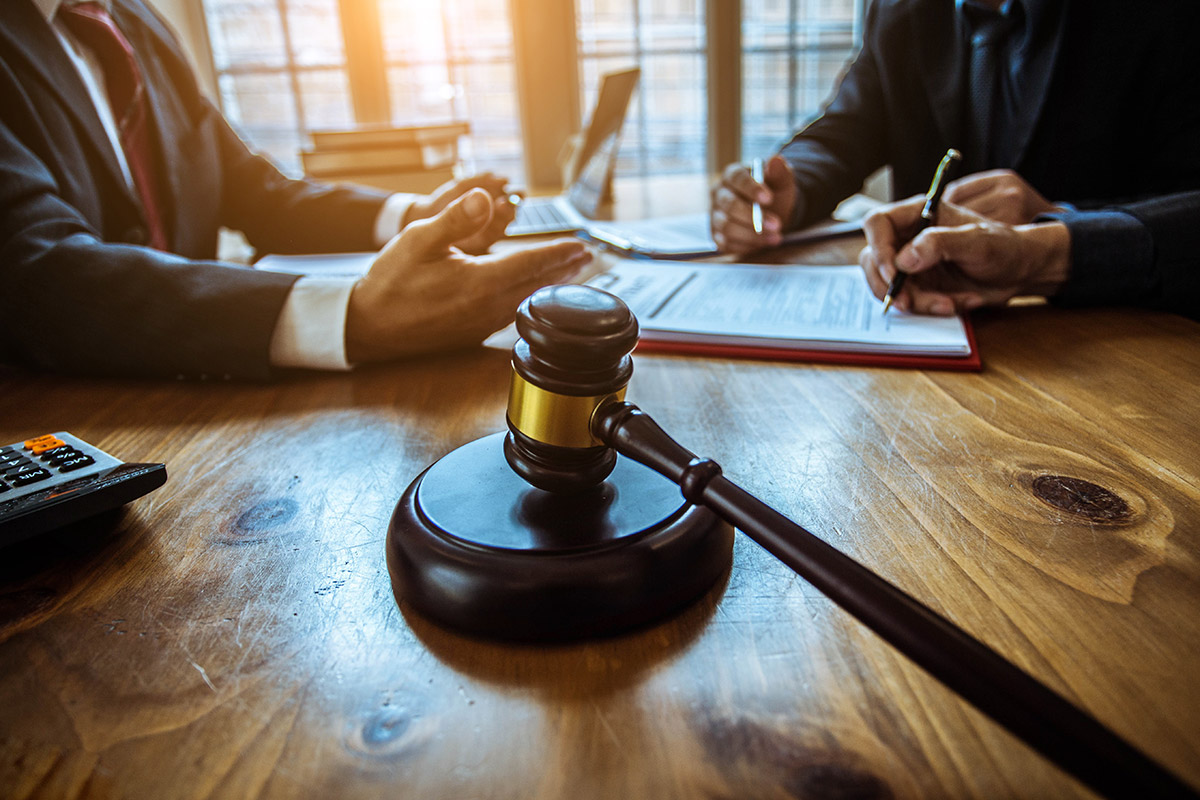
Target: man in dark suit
{"x":1087,"y":101}
{"x":84,"y":290}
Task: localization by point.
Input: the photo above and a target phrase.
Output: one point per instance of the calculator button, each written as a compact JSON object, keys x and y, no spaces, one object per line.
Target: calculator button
{"x":60,"y":454}
{"x":45,"y":437}
{"x":79,"y":462}
{"x":16,"y":466}
{"x":9,"y":456}
{"x":30,"y":476}
{"x":4,"y":487}
{"x":44,"y":446}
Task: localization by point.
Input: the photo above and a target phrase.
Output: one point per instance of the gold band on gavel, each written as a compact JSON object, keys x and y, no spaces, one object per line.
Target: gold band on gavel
{"x":558,"y":419}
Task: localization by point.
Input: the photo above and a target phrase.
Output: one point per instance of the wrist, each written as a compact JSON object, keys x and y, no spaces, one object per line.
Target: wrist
{"x":361,"y":337}
{"x":1048,"y":256}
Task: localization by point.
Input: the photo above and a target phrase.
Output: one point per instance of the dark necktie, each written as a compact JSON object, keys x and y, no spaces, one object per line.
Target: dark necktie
{"x":94,"y":27}
{"x":987,"y":123}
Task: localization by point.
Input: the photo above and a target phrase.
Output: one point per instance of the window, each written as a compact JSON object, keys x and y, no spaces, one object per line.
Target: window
{"x":453,"y":60}
{"x":666,"y":128}
{"x":792,"y":54}
{"x":281,"y":71}
{"x":287,"y":67}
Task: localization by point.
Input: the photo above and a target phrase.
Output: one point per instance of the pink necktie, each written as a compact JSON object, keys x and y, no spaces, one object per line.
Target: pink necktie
{"x":94,"y":27}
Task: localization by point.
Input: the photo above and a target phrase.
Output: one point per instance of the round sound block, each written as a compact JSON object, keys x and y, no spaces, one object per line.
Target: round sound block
{"x":474,"y":547}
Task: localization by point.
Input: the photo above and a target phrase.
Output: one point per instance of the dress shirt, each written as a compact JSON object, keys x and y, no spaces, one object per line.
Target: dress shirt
{"x":310,"y":330}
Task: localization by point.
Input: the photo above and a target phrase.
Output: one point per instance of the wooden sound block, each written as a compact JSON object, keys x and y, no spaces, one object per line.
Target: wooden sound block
{"x":474,"y":547}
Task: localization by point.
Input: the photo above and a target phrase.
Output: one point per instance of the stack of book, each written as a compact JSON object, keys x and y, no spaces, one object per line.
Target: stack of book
{"x":417,"y":158}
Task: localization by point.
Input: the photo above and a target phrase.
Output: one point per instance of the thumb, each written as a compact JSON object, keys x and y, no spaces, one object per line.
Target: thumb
{"x":464,"y":217}
{"x":778,"y":175}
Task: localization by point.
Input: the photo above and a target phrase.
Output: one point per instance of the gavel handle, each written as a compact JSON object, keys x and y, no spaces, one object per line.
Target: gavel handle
{"x":1043,"y":719}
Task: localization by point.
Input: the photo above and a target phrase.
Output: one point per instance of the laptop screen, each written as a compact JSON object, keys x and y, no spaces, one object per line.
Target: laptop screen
{"x":602,"y":136}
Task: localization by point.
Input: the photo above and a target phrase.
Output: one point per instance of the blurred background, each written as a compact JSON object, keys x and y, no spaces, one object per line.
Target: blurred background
{"x":722,"y":80}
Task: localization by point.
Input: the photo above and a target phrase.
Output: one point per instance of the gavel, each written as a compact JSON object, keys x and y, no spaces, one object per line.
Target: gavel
{"x":568,"y":420}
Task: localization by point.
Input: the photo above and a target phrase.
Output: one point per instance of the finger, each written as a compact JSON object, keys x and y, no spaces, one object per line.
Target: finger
{"x":925,"y":301}
{"x":503,"y":212}
{"x":488,"y":181}
{"x":738,"y":236}
{"x":537,"y":262}
{"x":944,"y":304}
{"x":965,"y":244}
{"x":870,"y":267}
{"x":740,"y":212}
{"x":1000,"y":202}
{"x":777,"y":173}
{"x":739,"y":182}
{"x":478,"y":244}
{"x":887,"y":228}
{"x":502,"y":300}
{"x":464,"y":217}
{"x":970,"y":186}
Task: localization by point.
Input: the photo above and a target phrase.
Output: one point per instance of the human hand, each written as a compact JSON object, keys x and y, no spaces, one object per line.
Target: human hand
{"x":503,"y":210}
{"x":732,"y":198}
{"x":964,"y":261}
{"x":422,"y":294}
{"x":999,"y":194}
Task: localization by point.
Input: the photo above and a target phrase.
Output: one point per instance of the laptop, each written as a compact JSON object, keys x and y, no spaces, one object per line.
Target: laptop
{"x":572,"y":210}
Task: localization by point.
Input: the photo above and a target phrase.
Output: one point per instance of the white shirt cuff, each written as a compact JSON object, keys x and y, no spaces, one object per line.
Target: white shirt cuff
{"x":387,"y":224}
{"x":311,"y":330}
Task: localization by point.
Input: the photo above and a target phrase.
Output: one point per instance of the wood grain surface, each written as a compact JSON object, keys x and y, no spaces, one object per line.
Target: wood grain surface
{"x":234,"y":634}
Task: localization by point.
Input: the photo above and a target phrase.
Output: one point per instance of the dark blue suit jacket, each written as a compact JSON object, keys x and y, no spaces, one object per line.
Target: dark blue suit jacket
{"x":80,"y":293}
{"x":1119,"y":118}
{"x":1144,"y":253}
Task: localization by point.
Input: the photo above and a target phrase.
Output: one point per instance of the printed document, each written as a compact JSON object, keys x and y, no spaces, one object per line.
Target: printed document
{"x":787,"y":307}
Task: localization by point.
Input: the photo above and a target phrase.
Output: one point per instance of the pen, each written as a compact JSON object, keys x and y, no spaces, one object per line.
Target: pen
{"x":756,"y":172}
{"x":928,"y":214}
{"x":610,"y":239}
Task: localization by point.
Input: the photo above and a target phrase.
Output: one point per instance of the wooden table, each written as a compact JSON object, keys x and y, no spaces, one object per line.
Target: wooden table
{"x":234,"y":633}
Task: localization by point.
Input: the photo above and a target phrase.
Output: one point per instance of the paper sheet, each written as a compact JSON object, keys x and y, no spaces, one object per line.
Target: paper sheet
{"x":807,"y":307}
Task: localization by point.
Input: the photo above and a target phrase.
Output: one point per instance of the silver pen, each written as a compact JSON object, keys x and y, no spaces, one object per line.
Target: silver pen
{"x":756,"y":172}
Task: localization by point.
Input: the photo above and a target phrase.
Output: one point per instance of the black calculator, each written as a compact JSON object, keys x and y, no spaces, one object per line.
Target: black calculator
{"x":56,"y":478}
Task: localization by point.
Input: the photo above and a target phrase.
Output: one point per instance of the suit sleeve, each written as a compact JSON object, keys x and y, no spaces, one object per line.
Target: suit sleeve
{"x":74,"y":303}
{"x":832,"y":156}
{"x":1143,"y":254}
{"x":284,"y":215}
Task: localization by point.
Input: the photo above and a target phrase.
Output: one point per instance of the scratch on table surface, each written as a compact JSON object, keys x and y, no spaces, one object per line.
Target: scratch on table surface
{"x":204,"y":675}
{"x":604,"y":723}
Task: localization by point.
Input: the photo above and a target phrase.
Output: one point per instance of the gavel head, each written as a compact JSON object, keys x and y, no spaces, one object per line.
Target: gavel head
{"x":572,"y":357}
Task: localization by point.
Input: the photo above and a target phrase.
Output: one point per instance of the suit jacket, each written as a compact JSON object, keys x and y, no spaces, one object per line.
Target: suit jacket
{"x":80,"y":293}
{"x":1119,"y":118}
{"x":1145,"y":253}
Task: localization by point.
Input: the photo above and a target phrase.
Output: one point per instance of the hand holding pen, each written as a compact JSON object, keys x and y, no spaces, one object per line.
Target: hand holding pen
{"x":752,"y":204}
{"x":933,"y":197}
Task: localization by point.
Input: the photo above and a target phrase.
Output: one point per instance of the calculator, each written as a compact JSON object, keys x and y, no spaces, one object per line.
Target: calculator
{"x":56,"y":478}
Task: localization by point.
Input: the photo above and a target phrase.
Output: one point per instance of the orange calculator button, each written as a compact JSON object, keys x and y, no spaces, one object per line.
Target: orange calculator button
{"x":41,"y":444}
